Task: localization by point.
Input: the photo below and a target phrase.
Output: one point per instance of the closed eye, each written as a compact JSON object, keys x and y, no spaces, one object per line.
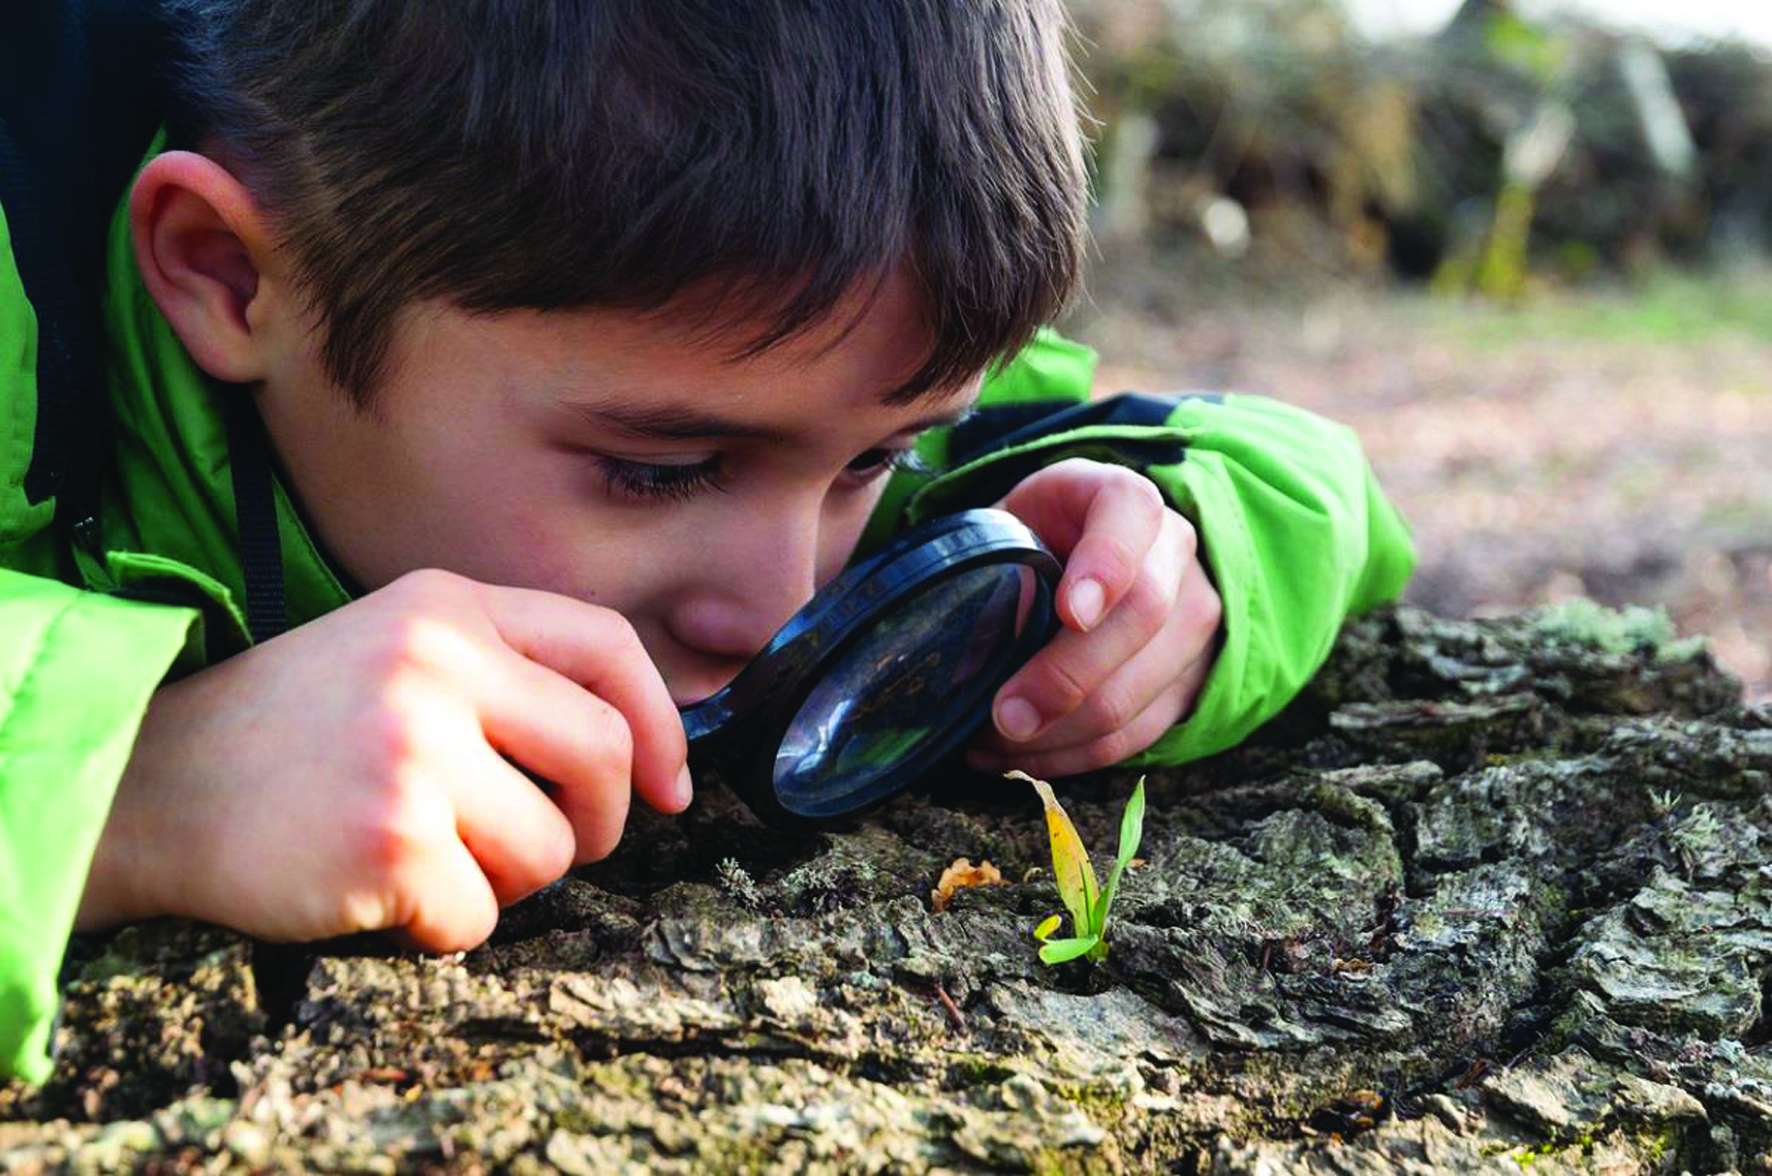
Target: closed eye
{"x":654,"y":482}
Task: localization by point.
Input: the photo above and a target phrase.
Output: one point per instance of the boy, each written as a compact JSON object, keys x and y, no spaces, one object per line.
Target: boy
{"x":555,"y":351}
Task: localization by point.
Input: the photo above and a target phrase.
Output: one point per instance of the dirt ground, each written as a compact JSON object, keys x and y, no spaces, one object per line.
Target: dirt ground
{"x":1610,"y":443}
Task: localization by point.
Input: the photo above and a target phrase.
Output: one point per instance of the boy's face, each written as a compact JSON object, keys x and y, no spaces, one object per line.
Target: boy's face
{"x":610,"y":457}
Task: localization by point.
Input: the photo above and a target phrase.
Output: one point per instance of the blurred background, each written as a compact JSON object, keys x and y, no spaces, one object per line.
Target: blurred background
{"x":1524,"y":248}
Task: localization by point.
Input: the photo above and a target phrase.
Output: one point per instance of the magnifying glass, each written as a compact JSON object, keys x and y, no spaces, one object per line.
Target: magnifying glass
{"x":888,"y":669}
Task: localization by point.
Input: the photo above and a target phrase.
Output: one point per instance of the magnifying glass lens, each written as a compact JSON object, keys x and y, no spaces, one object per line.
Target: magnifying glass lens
{"x":939,"y":654}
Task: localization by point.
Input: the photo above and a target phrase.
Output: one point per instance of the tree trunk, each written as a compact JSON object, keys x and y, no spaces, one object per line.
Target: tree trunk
{"x":1489,"y":896}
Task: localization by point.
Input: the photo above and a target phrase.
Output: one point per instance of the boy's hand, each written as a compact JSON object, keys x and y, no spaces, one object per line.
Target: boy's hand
{"x":360,"y":773}
{"x":1140,"y":625}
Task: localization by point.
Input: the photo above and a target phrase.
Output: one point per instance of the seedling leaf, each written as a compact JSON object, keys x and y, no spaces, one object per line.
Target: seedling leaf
{"x":1070,"y":863}
{"x":1060,"y":950}
{"x":1131,"y":833}
{"x":1047,"y":926}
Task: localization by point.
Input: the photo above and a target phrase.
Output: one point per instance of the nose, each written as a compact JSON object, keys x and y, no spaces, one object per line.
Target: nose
{"x":756,"y":575}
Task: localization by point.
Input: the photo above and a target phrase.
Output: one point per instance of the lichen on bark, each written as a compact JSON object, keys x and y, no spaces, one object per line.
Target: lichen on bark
{"x":1490,"y":896}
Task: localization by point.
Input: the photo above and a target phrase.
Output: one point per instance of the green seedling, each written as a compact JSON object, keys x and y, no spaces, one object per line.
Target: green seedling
{"x":1087,"y":903}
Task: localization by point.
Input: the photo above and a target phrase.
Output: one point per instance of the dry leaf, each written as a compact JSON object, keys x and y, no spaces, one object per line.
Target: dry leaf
{"x":962,"y":874}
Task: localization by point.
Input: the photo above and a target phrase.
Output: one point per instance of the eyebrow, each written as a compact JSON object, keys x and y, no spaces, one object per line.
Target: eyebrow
{"x":692,"y":424}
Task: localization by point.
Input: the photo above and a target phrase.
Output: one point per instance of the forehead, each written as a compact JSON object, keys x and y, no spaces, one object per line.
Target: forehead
{"x":668,"y":361}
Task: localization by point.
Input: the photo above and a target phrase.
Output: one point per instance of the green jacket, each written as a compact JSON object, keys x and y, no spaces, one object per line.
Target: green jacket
{"x":1294,"y":531}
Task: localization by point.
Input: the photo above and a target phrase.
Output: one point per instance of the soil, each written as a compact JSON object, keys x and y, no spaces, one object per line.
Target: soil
{"x":1611,"y":443}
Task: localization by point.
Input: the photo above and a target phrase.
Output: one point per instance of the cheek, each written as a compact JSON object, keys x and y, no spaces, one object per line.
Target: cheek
{"x":508,"y":520}
{"x":562,"y":537}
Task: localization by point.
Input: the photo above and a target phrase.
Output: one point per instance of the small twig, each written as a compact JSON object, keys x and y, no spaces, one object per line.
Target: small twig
{"x":955,"y":1017}
{"x":1477,"y":1069}
{"x":384,"y":1075}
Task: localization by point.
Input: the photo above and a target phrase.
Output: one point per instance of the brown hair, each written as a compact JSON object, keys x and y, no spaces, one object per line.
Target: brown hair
{"x":554,"y":154}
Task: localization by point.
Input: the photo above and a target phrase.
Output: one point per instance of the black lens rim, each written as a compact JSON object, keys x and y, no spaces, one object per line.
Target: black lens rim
{"x":734,"y":735}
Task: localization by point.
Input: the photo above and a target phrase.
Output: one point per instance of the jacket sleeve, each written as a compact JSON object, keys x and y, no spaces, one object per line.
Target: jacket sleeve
{"x":1292,"y":525}
{"x":77,"y":669}
{"x":1297,"y":536}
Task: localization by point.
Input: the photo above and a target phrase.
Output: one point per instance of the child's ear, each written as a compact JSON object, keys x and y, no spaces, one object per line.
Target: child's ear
{"x":202,"y":248}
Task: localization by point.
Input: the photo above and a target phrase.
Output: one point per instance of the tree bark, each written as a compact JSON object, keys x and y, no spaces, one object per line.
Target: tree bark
{"x":1490,"y":895}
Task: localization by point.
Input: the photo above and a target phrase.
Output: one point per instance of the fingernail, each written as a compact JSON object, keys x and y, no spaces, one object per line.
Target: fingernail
{"x":1017,"y":718}
{"x":685,"y":788}
{"x":1086,"y":601}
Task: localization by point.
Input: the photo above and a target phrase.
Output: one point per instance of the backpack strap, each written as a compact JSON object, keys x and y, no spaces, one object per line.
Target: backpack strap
{"x":78,"y":107}
{"x":255,"y":510}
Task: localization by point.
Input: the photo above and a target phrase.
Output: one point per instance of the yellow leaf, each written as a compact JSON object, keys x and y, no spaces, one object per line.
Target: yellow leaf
{"x":1047,"y":926}
{"x":1070,"y":861}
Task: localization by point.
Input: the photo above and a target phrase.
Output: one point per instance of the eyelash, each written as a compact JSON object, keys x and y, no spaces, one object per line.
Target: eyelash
{"x":646,"y":481}
{"x":660,"y":483}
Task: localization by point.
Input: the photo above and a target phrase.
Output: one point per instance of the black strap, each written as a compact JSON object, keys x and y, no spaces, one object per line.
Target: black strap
{"x":1004,"y":426}
{"x":255,"y":511}
{"x":78,"y":106}
{"x":989,"y":432}
{"x":79,"y":102}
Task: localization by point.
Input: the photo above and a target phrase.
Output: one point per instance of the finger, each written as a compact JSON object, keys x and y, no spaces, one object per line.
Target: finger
{"x":1074,"y":666}
{"x":454,"y":907}
{"x":1101,"y":752}
{"x":1097,"y":751}
{"x":1102,"y":521}
{"x":521,"y":838}
{"x":597,"y":803}
{"x":1138,"y":695}
{"x":1184,"y":650}
{"x":1145,"y":682}
{"x":595,"y":648}
{"x":575,"y":741}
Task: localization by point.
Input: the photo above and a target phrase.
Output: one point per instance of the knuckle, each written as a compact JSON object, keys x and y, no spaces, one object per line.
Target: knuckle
{"x":1061,"y":690}
{"x":1186,"y":535}
{"x":623,"y":635}
{"x":1114,"y":747}
{"x":1074,"y":466}
{"x":385,"y":735}
{"x":599,"y":810}
{"x":426,"y":588}
{"x":1121,"y":557}
{"x":613,"y":633}
{"x":1148,"y":603}
{"x":1145,"y":491}
{"x":1111,"y":708}
{"x":1208,"y":611}
{"x":612,"y":740}
{"x":405,"y":646}
{"x":384,"y":849}
{"x":393,"y":831}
